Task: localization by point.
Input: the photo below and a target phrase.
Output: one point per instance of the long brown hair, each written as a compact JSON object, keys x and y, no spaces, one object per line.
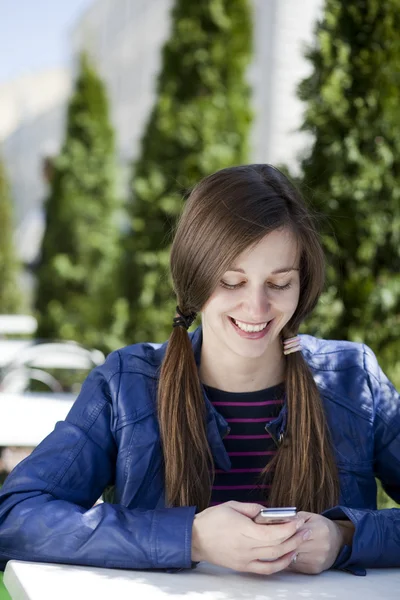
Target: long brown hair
{"x":225,"y":214}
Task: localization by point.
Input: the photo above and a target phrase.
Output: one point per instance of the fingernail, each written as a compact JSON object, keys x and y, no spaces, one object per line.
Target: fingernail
{"x":300,"y":523}
{"x":294,"y":558}
{"x":307,"y":534}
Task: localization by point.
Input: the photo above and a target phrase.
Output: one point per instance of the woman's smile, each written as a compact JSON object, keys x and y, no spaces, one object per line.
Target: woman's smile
{"x":252,"y":331}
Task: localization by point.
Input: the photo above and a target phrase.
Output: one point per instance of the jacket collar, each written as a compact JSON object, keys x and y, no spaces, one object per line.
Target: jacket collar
{"x":196,"y":338}
{"x":216,"y":426}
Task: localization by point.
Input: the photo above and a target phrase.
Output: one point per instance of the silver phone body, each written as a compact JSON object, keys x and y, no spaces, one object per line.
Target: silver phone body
{"x":270,"y":516}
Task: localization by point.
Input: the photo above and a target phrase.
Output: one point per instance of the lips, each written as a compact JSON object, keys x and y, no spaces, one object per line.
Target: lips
{"x":253,"y":335}
{"x":236,"y":321}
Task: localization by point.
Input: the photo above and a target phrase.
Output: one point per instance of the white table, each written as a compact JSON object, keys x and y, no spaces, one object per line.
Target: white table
{"x":38,"y":581}
{"x":26,"y":419}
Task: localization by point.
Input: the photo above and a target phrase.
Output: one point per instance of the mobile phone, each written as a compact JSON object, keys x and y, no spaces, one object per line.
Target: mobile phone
{"x":269,"y":516}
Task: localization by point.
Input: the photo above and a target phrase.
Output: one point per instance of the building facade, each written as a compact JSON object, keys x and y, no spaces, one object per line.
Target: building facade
{"x":125,"y":37}
{"x":32,"y":116}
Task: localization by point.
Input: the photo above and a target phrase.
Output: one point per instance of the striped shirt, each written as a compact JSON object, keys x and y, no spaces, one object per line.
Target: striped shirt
{"x":248,"y":444}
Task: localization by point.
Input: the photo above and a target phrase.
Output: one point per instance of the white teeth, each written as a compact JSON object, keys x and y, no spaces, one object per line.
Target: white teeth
{"x":250,"y":328}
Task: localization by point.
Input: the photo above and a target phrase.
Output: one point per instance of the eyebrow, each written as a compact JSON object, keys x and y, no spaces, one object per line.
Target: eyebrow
{"x":276,"y":272}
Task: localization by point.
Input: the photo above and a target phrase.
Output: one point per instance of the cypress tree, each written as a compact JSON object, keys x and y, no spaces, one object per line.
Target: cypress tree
{"x":76,"y":291}
{"x":200,"y":123}
{"x":352,"y":172}
{"x":10,"y":294}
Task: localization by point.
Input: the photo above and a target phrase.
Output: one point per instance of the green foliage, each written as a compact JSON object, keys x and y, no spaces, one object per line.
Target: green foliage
{"x":352,"y":172}
{"x":4,"y":595}
{"x":10,"y":295}
{"x":76,"y":294}
{"x":383,"y":500}
{"x":199,"y":124}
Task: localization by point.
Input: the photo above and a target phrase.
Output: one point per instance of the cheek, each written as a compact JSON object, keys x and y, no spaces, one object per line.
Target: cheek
{"x":293,"y":301}
{"x":287,"y":302}
{"x":222,"y":298}
{"x":218,"y":302}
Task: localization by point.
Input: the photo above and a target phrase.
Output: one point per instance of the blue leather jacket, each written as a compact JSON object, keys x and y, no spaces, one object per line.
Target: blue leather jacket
{"x":110,"y":441}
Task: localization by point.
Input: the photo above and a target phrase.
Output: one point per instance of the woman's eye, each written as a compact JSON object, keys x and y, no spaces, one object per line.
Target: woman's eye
{"x":280,"y":287}
{"x":230,"y":286}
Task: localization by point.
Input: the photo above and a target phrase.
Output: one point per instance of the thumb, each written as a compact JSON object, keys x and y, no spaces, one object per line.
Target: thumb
{"x":248,"y":509}
{"x":302,"y":514}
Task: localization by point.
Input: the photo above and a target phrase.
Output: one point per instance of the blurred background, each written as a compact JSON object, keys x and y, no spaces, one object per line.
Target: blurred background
{"x":110,"y":110}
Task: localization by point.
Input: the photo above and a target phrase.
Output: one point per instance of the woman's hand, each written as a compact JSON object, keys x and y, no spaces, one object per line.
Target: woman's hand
{"x":226,"y":535}
{"x":327,"y":538}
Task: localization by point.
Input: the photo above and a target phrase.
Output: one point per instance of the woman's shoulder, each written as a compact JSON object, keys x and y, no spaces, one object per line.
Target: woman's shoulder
{"x":143,"y":357}
{"x":347,"y":373}
{"x":110,"y":386}
{"x":336,"y":354}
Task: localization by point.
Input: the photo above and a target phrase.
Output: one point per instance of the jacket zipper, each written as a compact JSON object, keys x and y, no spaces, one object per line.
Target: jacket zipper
{"x":227,"y":432}
{"x":278,"y":441}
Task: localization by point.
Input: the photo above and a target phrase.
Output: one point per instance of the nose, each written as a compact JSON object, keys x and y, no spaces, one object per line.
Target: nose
{"x":257,"y":304}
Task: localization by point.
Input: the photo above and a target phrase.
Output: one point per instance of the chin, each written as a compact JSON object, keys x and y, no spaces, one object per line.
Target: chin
{"x":255,"y":351}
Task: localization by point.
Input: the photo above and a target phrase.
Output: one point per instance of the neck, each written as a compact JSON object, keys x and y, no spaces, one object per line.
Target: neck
{"x":233,"y":373}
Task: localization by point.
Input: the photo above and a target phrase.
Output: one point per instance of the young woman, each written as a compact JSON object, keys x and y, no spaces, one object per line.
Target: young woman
{"x":188,"y":440}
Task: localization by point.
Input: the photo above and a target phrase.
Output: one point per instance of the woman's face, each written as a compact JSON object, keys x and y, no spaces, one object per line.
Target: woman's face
{"x":255,"y":299}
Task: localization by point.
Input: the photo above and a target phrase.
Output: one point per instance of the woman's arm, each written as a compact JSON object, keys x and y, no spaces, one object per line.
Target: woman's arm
{"x":376,"y":539}
{"x":46,"y":503}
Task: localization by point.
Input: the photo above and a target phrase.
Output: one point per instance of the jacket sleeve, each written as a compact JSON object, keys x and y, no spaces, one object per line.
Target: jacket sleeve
{"x":46,"y":503}
{"x":376,"y":541}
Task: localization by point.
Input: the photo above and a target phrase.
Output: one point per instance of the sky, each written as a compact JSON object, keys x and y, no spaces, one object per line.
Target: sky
{"x":34,"y":34}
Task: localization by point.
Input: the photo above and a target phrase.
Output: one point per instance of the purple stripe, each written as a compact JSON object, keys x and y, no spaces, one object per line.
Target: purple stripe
{"x":258,"y":502}
{"x":268,"y":453}
{"x":240,"y":487}
{"x":262,"y":420}
{"x":264,"y":403}
{"x":248,"y":437}
{"x":220,"y":471}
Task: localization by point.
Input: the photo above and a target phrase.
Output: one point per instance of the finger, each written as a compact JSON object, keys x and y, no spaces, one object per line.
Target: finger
{"x":275,"y":552}
{"x":301,"y":563}
{"x":268,"y":568}
{"x":248,"y":509}
{"x":309,"y":562}
{"x":296,"y":566}
{"x":311,"y":547}
{"x":306,"y":516}
{"x":308,"y":536}
{"x":306,"y":566}
{"x":270,"y":535}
